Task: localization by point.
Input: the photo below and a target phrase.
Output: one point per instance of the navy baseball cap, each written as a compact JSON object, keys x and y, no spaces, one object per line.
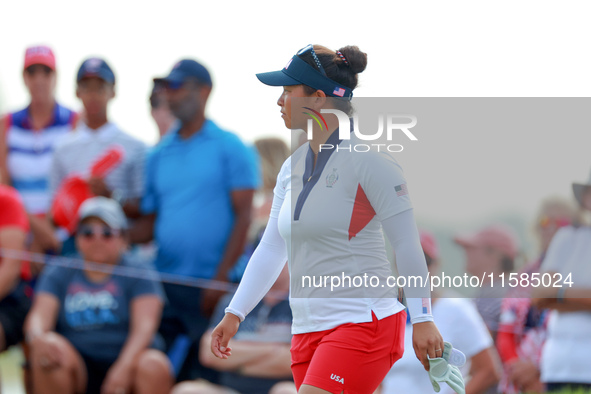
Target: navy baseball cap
{"x":95,"y":67}
{"x":185,"y":69}
{"x":298,"y":72}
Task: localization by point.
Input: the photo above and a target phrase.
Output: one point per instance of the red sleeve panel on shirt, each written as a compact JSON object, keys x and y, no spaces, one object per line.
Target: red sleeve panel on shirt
{"x":362,"y":214}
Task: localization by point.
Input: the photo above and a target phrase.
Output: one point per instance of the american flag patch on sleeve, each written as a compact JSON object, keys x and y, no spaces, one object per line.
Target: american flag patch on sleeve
{"x":401,"y":190}
{"x":426,"y":306}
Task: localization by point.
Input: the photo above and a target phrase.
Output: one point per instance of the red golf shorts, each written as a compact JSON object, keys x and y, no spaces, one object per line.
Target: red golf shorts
{"x":351,"y":358}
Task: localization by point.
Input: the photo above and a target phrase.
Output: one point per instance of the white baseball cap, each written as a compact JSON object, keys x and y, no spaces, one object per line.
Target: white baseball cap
{"x":105,"y":209}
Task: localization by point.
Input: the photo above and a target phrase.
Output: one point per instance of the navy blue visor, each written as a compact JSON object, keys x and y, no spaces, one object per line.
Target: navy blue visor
{"x":298,"y":72}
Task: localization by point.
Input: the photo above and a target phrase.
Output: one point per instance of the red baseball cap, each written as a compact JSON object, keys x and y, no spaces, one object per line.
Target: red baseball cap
{"x":496,"y":236}
{"x":40,"y":54}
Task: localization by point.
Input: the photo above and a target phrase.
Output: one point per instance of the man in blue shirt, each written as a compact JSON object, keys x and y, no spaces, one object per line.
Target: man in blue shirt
{"x":200,"y":182}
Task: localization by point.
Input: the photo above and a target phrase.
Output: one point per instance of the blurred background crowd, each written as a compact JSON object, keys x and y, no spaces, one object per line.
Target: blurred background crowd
{"x":172,"y":226}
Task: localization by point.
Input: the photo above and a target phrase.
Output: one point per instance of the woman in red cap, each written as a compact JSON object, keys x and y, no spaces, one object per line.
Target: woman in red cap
{"x":328,"y":213}
{"x":27,"y":141}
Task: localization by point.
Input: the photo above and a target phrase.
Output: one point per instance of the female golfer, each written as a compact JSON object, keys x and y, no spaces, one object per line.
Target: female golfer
{"x":327,"y":217}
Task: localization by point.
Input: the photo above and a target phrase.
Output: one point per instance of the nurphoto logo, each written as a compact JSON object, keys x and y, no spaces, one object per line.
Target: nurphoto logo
{"x":390,"y":124}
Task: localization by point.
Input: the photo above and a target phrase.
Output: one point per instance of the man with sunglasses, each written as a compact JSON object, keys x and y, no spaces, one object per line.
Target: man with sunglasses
{"x":28,"y":138}
{"x":200,"y":181}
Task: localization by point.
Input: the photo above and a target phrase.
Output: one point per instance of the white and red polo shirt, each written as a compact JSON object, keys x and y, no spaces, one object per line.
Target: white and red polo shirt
{"x":330,"y":220}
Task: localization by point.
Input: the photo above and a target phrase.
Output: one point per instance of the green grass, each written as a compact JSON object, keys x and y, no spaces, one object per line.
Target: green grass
{"x":11,"y":375}
{"x":571,"y":391}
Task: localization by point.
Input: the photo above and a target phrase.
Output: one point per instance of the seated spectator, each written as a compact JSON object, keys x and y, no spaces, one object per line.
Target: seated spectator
{"x":14,"y":302}
{"x":461,"y":325}
{"x":522,"y":329}
{"x":491,"y":250}
{"x":91,"y":330}
{"x":261,"y":358}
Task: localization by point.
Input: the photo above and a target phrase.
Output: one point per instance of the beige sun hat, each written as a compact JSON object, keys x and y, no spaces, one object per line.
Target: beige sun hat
{"x":579,"y":189}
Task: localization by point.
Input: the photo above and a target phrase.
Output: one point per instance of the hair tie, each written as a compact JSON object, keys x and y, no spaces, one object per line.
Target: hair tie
{"x":343,"y":58}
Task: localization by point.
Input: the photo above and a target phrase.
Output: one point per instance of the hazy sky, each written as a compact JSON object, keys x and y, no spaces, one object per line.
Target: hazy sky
{"x":415,"y":49}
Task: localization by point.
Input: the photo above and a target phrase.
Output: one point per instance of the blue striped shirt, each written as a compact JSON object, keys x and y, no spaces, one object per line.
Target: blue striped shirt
{"x":30,"y":152}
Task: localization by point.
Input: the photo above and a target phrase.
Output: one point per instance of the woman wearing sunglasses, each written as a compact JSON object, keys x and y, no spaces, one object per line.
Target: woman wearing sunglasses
{"x":328,"y":213}
{"x":92,"y":330}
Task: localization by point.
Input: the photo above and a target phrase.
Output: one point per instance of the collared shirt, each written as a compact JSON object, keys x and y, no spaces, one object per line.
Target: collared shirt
{"x":78,"y":151}
{"x":565,"y":356}
{"x":188,"y":185}
{"x":30,"y":152}
{"x":330,"y":221}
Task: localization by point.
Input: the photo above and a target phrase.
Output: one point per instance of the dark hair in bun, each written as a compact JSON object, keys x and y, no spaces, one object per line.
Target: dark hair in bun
{"x":342,"y":66}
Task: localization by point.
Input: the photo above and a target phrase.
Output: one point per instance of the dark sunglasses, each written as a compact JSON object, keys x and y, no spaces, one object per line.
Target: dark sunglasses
{"x":189,"y":83}
{"x":173,"y":85}
{"x":310,"y":48}
{"x":89,"y":232}
{"x":35,"y":68}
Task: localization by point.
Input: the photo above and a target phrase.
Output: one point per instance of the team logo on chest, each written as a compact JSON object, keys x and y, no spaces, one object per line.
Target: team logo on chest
{"x":332,"y":178}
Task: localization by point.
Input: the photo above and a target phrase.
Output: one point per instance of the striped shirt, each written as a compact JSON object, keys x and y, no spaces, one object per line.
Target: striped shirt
{"x":76,"y":154}
{"x":30,"y":152}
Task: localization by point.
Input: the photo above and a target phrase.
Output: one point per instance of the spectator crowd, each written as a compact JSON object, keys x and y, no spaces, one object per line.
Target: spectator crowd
{"x":117,"y":222}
